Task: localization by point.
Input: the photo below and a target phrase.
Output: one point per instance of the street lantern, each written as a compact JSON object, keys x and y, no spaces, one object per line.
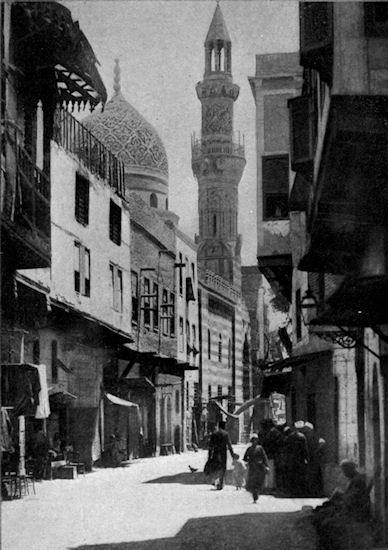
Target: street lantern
{"x":308,"y":307}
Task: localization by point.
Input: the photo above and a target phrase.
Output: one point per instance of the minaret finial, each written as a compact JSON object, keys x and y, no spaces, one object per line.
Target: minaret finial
{"x":116,"y":81}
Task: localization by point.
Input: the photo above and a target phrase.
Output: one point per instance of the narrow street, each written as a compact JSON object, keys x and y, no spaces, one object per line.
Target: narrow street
{"x":153,"y":504}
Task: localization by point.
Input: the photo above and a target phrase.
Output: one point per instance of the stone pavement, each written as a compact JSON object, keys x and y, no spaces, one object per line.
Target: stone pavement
{"x":153,"y":504}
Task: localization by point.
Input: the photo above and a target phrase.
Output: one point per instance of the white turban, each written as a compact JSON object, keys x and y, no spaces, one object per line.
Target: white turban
{"x":299,"y":424}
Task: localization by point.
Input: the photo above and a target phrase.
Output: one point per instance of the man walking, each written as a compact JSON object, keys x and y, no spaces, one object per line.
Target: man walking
{"x":218,"y":446}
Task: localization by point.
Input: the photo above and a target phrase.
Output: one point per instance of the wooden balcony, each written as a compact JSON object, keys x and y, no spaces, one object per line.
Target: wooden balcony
{"x":316,"y":37}
{"x":348,"y":197}
{"x":303,"y":132}
{"x":25,"y":210}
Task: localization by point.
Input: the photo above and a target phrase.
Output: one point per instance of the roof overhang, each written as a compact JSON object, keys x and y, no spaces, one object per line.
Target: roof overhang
{"x":47,"y":39}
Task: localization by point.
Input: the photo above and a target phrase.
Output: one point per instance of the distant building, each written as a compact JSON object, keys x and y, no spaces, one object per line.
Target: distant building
{"x":218,"y":162}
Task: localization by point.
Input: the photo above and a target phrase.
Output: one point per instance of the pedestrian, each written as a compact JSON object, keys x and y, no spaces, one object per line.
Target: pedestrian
{"x":296,"y":458}
{"x":40,"y":448}
{"x":313,"y":467}
{"x":219,"y":444}
{"x":238,"y":472}
{"x":258,"y":467}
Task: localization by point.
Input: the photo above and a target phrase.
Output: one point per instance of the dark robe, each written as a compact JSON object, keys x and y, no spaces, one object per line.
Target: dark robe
{"x":257,"y":461}
{"x":219,"y":444}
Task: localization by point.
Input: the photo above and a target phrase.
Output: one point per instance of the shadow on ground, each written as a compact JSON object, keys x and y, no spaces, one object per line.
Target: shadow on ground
{"x":260,"y":531}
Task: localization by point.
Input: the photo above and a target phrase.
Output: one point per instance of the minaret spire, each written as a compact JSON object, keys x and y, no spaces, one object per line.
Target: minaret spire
{"x":116,"y":81}
{"x":217,"y":159}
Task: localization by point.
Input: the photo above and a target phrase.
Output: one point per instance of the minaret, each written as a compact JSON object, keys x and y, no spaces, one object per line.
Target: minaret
{"x":218,"y":158}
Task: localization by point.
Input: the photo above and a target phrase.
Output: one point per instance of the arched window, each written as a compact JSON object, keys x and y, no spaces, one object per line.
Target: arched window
{"x":209,"y":351}
{"x":166,"y":204}
{"x":219,"y":348}
{"x":177,"y":399}
{"x":153,"y":200}
{"x":214,"y":224}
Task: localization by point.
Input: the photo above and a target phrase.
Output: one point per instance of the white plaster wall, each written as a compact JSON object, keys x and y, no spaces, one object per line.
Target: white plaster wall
{"x":95,"y":236}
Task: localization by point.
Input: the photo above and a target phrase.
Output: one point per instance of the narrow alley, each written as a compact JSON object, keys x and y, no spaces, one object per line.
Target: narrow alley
{"x":154,"y":503}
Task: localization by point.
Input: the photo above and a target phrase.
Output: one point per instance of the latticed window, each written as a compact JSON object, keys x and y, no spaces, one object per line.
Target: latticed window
{"x":146,"y":302}
{"x":115,"y":223}
{"x":275,"y":187}
{"x":81,"y":199}
{"x":219,"y":393}
{"x":219,"y":348}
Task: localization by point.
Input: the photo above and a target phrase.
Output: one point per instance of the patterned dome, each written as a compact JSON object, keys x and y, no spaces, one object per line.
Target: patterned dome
{"x":129,"y":136}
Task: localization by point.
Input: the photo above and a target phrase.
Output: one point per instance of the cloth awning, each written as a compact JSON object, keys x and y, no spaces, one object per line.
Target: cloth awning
{"x":119,"y":401}
{"x":24,"y":389}
{"x":222,"y":409}
{"x":60,"y":395}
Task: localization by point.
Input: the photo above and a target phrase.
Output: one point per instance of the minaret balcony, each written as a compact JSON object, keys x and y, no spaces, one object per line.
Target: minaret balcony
{"x":217,"y":146}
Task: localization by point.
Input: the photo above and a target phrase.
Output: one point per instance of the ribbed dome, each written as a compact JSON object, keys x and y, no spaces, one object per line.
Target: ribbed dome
{"x":129,"y":136}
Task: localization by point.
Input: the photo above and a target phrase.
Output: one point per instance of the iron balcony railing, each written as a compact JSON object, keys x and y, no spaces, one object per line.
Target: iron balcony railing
{"x":201,"y":147}
{"x":75,"y":138}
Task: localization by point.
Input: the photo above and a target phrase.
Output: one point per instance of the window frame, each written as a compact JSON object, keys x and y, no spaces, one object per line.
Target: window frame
{"x":117,"y":287}
{"x":135,"y":296}
{"x":82,"y":199}
{"x":82,"y":275}
{"x":266,"y":185}
{"x":115,"y":217}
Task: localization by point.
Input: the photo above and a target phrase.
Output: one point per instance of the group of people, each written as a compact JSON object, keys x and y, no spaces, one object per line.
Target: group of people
{"x":295,"y":453}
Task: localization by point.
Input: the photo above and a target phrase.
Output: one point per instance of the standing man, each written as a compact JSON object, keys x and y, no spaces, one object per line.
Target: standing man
{"x":218,"y":446}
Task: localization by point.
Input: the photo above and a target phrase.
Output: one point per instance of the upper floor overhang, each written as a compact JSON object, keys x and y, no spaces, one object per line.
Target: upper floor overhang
{"x":348,"y":200}
{"x":50,"y":47}
{"x":277,"y":269}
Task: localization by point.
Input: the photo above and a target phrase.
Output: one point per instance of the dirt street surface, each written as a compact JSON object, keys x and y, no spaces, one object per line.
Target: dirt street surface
{"x":153,"y":504}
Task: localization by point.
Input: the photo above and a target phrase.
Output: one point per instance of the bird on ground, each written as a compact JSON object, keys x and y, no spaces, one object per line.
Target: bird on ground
{"x":192,"y":470}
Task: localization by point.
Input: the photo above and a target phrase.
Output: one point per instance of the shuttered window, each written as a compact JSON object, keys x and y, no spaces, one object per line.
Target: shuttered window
{"x":115,"y":223}
{"x":117,"y":287}
{"x":81,"y":269}
{"x":81,"y":199}
{"x":135,"y":296}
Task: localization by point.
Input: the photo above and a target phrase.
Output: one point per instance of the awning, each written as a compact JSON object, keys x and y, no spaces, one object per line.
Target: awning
{"x":141,"y":382}
{"x":118,"y":401}
{"x":285,"y":366}
{"x":24,"y":389}
{"x":61,"y":396}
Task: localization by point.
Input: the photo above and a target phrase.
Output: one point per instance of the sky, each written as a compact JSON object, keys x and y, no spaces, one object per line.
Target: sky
{"x":160,"y":46}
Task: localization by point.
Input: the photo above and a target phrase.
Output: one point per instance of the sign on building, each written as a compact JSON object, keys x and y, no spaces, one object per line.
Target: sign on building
{"x":278,"y":408}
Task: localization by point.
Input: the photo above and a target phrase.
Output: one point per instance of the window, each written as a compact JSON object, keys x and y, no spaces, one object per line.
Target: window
{"x":209,"y":392}
{"x":181,"y":335}
{"x":214,"y":224}
{"x":117,"y":287}
{"x":36,"y":352}
{"x":165,"y":312}
{"x":81,"y":269}
{"x":172,"y":314}
{"x":81,"y":199}
{"x":54,"y":364}
{"x":194,"y":335}
{"x":187,"y":336}
{"x":209,"y":351}
{"x":275,"y":187}
{"x":177,"y":398}
{"x":153,"y":200}
{"x":219,"y":348}
{"x":187,"y":396}
{"x":146,"y":302}
{"x":135,"y":296}
{"x":376,"y":19}
{"x":298,"y":315}
{"x":180,"y":274}
{"x":193,"y":272}
{"x":155,"y":307}
{"x":219,"y":393}
{"x":196,"y":392}
{"x":229,"y":354}
{"x":115,"y":223}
